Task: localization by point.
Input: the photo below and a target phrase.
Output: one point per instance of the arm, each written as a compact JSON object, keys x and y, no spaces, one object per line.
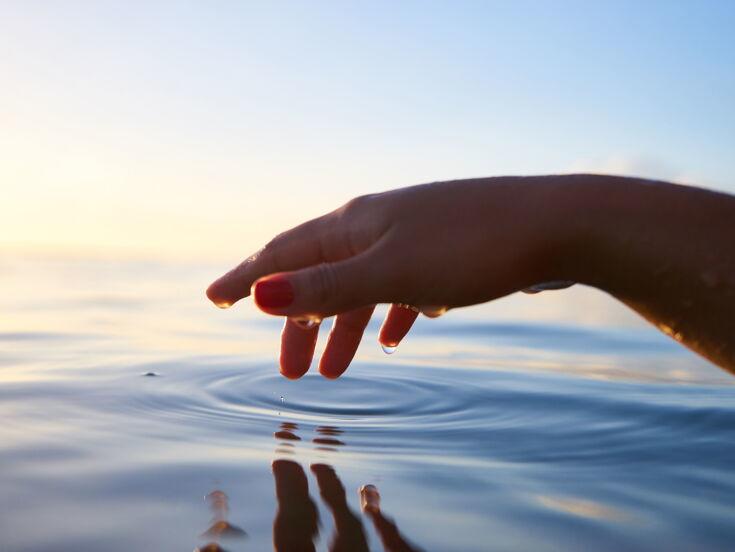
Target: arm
{"x":663,"y":249}
{"x":666,"y":251}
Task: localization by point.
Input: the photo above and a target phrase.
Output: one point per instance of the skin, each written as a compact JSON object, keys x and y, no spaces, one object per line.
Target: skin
{"x":664,"y":250}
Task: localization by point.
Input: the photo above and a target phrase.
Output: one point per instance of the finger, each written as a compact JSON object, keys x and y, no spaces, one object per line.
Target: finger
{"x":297,"y":348}
{"x":396,"y":325}
{"x":343,"y":341}
{"x":288,"y":251}
{"x":332,"y":237}
{"x":329,"y":288}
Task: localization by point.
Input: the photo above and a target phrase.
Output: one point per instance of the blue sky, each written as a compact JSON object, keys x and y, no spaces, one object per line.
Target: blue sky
{"x":193,"y":127}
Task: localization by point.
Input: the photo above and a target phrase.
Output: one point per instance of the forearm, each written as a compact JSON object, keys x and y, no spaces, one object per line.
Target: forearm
{"x":665,"y":250}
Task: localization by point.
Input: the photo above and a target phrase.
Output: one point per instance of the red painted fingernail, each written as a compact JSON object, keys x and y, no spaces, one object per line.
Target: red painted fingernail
{"x":274,"y":293}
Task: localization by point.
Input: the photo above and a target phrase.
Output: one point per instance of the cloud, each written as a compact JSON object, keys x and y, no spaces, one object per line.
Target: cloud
{"x":641,"y":166}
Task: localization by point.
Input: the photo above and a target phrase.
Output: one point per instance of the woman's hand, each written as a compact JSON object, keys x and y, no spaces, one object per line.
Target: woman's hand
{"x":664,"y":250}
{"x":431,"y":248}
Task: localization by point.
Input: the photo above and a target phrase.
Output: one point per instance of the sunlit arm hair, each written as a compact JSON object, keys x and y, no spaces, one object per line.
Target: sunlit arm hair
{"x":665,"y":250}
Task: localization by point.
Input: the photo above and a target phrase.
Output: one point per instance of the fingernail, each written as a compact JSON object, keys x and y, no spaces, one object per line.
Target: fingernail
{"x":274,"y":293}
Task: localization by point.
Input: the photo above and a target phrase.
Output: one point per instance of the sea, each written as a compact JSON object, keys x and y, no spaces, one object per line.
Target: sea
{"x":134,"y":415}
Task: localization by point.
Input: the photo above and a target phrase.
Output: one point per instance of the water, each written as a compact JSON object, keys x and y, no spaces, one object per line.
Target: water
{"x":137,"y":416}
{"x":307,"y":322}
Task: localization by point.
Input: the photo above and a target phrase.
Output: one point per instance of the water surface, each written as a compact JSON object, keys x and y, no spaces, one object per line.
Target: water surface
{"x":137,"y":416}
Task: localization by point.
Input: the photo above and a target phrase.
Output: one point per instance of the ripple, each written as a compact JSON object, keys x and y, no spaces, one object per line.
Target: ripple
{"x":374,"y":407}
{"x":351,"y":400}
{"x":442,"y":413}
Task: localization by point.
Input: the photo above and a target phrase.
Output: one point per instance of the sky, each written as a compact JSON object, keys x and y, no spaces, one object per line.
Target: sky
{"x":201,"y":129}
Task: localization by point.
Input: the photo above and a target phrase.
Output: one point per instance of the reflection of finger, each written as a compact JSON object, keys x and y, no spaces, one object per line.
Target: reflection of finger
{"x":330,"y":487}
{"x":397,"y":322}
{"x":386,"y":529}
{"x":291,"y":482}
{"x":211,"y":547}
{"x":297,"y":522}
{"x":328,"y":441}
{"x":286,"y":434}
{"x":369,"y":498}
{"x":343,"y":341}
{"x":349,"y":532}
{"x":223,"y":529}
{"x":389,"y":535}
{"x":297,"y":348}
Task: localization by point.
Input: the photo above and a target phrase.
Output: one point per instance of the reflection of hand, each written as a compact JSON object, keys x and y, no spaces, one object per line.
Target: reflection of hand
{"x":434,"y":246}
{"x":296,"y":524}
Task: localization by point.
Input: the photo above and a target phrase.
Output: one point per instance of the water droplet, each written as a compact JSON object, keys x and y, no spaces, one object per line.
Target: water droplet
{"x":531,"y":290}
{"x":306,"y":322}
{"x":671,"y":331}
{"x":150,"y":374}
{"x":388,"y":350}
{"x":223,"y":304}
{"x":434,"y":311}
{"x":546,"y":286}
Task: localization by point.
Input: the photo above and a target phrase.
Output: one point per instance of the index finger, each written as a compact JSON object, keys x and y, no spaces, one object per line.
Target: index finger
{"x":310,"y":243}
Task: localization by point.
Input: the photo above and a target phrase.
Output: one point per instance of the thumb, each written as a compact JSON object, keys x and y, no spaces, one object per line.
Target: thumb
{"x":322,"y":290}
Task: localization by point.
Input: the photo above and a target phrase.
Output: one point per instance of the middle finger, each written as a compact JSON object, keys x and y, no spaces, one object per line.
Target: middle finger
{"x":343,"y":341}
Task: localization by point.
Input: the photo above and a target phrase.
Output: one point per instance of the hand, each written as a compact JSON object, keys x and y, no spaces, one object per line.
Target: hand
{"x":426,"y":248}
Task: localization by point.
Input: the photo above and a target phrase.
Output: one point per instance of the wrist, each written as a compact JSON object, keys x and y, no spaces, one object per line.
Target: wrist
{"x":564,"y":235}
{"x":602,"y":223}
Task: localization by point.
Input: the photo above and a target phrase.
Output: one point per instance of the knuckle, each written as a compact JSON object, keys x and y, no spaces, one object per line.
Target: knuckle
{"x":356,"y":204}
{"x":270,"y":253}
{"x":357,"y":211}
{"x":325,"y":283}
{"x":360,"y":223}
